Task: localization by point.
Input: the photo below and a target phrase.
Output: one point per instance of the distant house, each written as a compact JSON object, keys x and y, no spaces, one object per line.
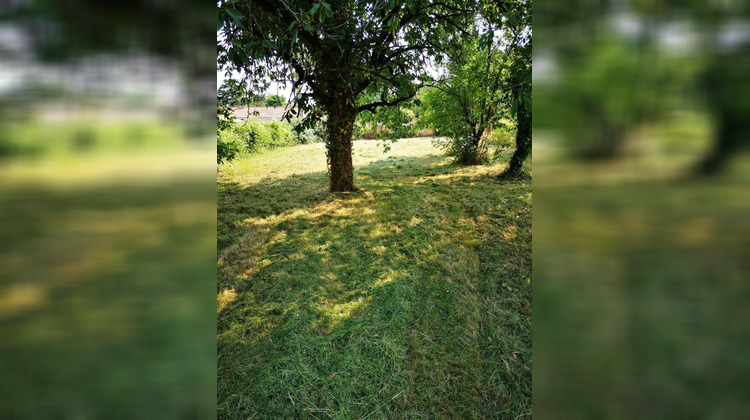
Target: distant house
{"x":264,"y":112}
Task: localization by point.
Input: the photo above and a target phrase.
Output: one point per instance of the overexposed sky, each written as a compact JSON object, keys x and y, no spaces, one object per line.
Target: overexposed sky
{"x":282,"y":89}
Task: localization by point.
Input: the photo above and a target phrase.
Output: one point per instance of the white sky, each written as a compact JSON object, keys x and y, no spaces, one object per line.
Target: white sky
{"x":282,"y":89}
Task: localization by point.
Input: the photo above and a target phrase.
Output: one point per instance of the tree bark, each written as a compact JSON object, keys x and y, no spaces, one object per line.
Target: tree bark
{"x":725,"y":83}
{"x":730,"y":134}
{"x":339,"y":127}
{"x":523,"y":144}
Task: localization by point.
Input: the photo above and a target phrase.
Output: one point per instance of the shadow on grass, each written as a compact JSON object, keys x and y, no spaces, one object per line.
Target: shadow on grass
{"x":410,"y":298}
{"x":272,"y":196}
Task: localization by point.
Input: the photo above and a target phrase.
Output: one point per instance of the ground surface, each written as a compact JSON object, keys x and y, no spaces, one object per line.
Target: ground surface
{"x":408,"y":299}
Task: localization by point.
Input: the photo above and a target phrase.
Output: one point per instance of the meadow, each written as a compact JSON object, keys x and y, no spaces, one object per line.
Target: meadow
{"x":410,"y":298}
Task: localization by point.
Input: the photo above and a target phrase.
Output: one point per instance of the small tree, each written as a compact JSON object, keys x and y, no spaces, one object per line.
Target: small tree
{"x":489,"y":75}
{"x":275,"y":100}
{"x":232,"y":93}
{"x":468,"y":101}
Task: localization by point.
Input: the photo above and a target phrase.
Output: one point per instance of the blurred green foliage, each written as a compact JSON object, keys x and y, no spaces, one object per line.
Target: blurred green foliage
{"x":38,"y":138}
{"x":640,"y":267}
{"x":107,"y":202}
{"x":104,"y":256}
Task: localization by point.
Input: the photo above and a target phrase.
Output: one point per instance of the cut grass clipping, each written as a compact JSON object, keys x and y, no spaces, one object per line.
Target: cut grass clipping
{"x":408,"y":299}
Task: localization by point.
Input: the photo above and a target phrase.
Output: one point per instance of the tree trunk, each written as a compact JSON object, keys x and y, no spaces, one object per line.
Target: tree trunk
{"x":726,"y":83}
{"x":729,"y":135}
{"x":339,"y":127}
{"x":523,"y":143}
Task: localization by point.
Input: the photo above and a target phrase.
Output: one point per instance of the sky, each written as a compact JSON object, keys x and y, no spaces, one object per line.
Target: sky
{"x":282,"y":89}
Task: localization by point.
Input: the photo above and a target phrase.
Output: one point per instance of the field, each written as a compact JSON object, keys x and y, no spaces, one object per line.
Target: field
{"x":410,"y":298}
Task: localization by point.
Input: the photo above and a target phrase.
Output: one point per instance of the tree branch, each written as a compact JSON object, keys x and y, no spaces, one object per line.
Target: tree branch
{"x":373,"y":106}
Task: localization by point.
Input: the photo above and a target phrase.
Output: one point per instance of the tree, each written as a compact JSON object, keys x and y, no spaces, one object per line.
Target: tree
{"x":232,"y":93}
{"x":179,"y":33}
{"x":469,"y":101}
{"x":611,"y":80}
{"x":518,"y":82}
{"x":337,"y":52}
{"x":486,"y":79}
{"x":275,"y":100}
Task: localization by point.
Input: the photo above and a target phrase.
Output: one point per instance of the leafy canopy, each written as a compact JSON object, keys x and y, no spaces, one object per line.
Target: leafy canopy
{"x":359,"y":55}
{"x":488,"y":78}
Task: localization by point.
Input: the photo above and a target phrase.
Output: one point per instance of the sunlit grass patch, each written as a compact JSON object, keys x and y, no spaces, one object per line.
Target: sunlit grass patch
{"x":406,"y":299}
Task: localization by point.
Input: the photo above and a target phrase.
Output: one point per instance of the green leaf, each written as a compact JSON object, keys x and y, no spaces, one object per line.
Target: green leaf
{"x":526,"y":100}
{"x":236,"y":16}
{"x":269,"y":44}
{"x":238,"y":57}
{"x":314,"y":9}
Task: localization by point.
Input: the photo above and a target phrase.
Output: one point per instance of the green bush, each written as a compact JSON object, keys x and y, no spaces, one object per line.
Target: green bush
{"x":463,"y":150}
{"x":502,"y":137}
{"x":370,"y":131}
{"x":310,"y":135}
{"x":227,"y":151}
{"x":275,"y":100}
{"x":281,"y":135}
{"x":252,"y":134}
{"x":316,"y":134}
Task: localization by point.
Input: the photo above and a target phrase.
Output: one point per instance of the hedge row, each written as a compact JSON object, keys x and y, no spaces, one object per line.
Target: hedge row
{"x":253,"y":135}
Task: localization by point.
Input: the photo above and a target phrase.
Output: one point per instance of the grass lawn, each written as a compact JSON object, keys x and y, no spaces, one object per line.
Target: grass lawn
{"x":408,"y":299}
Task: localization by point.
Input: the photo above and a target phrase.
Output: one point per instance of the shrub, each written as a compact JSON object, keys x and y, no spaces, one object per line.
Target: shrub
{"x":252,"y":134}
{"x":463,"y":150}
{"x":227,"y":151}
{"x":275,"y":100}
{"x":374,"y":131}
{"x":502,"y":137}
{"x":315,"y":134}
{"x":386,"y":123}
{"x":310,"y":135}
{"x":281,"y":135}
{"x":423,"y":132}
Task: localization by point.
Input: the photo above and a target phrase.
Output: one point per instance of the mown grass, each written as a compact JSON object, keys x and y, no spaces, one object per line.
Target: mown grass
{"x":408,"y":299}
